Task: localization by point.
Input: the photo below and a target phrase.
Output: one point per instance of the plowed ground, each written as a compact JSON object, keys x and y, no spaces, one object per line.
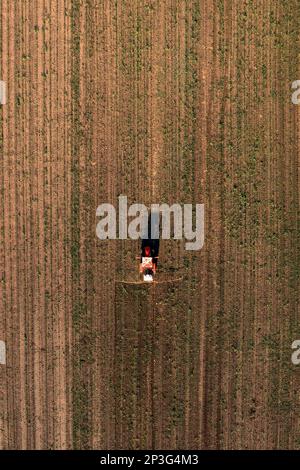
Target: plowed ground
{"x":163,"y":101}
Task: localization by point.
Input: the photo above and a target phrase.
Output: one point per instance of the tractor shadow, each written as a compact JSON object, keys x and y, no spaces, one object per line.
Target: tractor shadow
{"x":151,"y":234}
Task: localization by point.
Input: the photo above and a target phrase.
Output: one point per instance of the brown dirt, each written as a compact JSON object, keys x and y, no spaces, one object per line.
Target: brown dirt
{"x":162,"y":101}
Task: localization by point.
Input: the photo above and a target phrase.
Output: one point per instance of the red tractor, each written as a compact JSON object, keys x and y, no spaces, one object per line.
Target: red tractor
{"x":149,"y":254}
{"x":150,"y":249}
{"x":148,"y":263}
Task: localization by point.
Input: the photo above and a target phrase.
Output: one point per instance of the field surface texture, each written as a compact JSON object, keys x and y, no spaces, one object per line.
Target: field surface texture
{"x":162,"y":101}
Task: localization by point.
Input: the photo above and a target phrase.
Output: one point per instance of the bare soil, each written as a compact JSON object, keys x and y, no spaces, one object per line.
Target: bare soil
{"x":162,"y":101}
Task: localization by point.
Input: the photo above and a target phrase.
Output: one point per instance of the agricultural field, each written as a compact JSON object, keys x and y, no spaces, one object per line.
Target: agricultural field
{"x":175,"y":101}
